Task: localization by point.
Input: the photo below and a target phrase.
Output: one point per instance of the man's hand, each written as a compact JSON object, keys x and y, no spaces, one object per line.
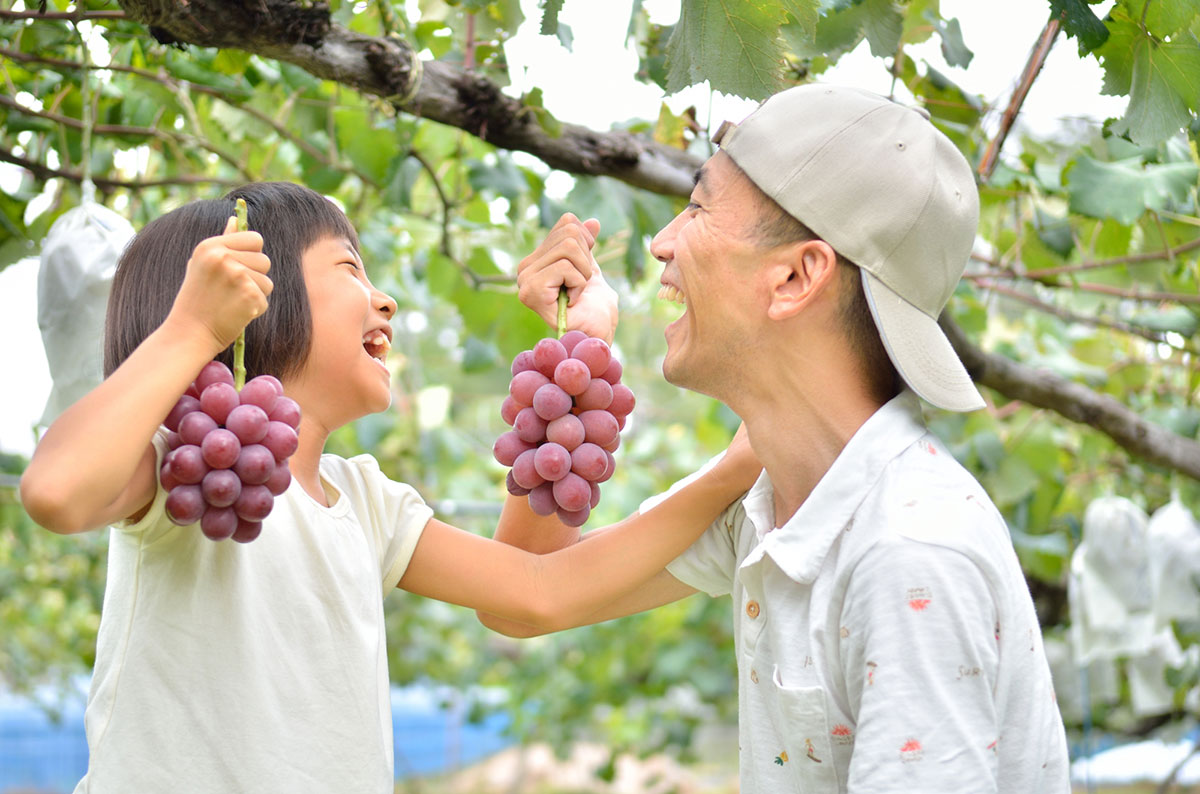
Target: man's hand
{"x":565,"y":258}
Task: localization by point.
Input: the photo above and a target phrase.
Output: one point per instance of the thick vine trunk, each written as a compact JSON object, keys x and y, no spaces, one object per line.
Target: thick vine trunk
{"x":303,"y":34}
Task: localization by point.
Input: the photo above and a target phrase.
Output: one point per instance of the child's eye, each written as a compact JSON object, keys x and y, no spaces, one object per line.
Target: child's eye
{"x":351,"y":264}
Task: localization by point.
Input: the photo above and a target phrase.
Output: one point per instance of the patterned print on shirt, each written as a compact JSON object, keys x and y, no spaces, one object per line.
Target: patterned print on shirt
{"x":842,"y":735}
{"x":910,"y":751}
{"x":871,"y":673}
{"x":918,"y":598}
{"x":782,"y":758}
{"x":812,"y":751}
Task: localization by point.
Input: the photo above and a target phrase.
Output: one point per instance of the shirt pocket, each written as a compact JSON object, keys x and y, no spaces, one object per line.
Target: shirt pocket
{"x":799,"y":720}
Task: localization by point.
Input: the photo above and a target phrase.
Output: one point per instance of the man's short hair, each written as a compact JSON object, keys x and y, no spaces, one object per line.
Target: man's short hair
{"x":775,"y":226}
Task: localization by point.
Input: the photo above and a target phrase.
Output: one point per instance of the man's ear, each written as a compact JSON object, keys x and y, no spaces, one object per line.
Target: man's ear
{"x":800,"y":273}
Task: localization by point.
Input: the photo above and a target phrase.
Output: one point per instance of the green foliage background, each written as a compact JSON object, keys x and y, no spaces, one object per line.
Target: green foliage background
{"x":1089,"y":270}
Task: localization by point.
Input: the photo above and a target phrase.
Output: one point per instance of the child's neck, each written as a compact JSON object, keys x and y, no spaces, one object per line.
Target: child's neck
{"x":305,"y":462}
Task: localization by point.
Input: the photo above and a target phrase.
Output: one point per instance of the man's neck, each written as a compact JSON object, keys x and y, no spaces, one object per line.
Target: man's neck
{"x":799,"y":428}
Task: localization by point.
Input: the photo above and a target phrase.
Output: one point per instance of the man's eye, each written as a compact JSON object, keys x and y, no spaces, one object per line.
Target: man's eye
{"x":692,"y":206}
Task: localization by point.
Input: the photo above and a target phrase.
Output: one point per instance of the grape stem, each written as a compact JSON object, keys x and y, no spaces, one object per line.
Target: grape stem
{"x":562,"y":311}
{"x":239,"y":346}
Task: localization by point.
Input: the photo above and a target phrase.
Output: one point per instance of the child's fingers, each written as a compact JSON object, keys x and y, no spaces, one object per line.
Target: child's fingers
{"x":230,"y":225}
{"x":254,"y":260}
{"x":243,"y":241}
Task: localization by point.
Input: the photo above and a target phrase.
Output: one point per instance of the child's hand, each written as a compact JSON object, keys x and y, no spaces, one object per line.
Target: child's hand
{"x":226,"y":284}
{"x":565,"y":258}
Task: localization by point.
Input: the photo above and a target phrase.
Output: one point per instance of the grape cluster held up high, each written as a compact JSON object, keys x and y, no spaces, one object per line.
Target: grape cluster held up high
{"x":228,"y":453}
{"x":567,"y":407}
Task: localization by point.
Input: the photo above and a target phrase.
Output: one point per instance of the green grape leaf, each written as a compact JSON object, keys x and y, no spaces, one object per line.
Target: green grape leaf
{"x":954,"y":50}
{"x":805,"y":12}
{"x":734,"y":44}
{"x":1164,"y":19}
{"x":883,"y":25}
{"x":1123,"y":190}
{"x":1164,"y":91}
{"x":550,"y":12}
{"x":1080,"y":23}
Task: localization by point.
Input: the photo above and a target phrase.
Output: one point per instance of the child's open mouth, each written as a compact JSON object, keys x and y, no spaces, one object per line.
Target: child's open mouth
{"x":377,"y":344}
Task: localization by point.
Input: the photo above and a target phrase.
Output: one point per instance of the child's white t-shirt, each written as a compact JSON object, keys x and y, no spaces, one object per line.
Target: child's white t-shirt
{"x":259,"y":667}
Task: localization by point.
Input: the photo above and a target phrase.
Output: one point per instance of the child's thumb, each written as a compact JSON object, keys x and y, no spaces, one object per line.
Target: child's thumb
{"x":231,"y":225}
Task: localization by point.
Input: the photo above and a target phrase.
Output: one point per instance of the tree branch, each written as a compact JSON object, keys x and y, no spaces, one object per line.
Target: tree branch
{"x":1076,"y":402}
{"x":45,"y":172}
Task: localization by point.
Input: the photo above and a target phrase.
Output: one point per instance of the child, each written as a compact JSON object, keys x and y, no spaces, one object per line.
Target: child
{"x":229,"y":667}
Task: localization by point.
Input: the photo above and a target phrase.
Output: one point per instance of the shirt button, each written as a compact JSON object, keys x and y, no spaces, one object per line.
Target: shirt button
{"x":752,"y":609}
{"x":754,"y":676}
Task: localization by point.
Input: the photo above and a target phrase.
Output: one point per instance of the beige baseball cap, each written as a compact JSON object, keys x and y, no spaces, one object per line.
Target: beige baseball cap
{"x":883,"y":186}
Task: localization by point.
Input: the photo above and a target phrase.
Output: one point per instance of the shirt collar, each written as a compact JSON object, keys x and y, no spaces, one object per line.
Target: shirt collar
{"x":799,"y":547}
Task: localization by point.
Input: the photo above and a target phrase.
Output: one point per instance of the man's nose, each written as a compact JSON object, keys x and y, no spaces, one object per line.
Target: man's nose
{"x":662,"y":247}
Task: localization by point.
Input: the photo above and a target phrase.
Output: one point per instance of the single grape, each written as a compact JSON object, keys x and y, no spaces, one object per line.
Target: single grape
{"x":281,"y":439}
{"x":183,"y":406}
{"x":612,"y":373}
{"x":218,"y":523}
{"x":529,"y":426}
{"x":221,"y":487}
{"x":524,"y":384}
{"x":541,"y":500}
{"x":510,"y":482}
{"x":599,"y":427}
{"x":566,"y":430}
{"x":187,"y":464}
{"x":572,"y":338}
{"x":612,"y":445}
{"x":173,"y":440}
{"x":522,"y":362}
{"x":574,"y":518}
{"x":253,"y":503}
{"x":254,"y":464}
{"x":286,"y":410}
{"x":220,"y":448}
{"x":274,"y":381}
{"x":213,"y":372}
{"x":595,"y":500}
{"x":195,"y":426}
{"x":248,"y":422}
{"x":509,"y":410}
{"x":589,"y":461}
{"x":612,"y":467}
{"x":572,"y":376}
{"x":280,"y":479}
{"x":508,"y":446}
{"x":168,"y":480}
{"x":622,"y":401}
{"x":551,"y":402}
{"x":246,"y":530}
{"x":262,"y":392}
{"x":218,"y":400}
{"x":524,"y":470}
{"x":596,"y":397}
{"x":185,"y":504}
{"x":595,"y":353}
{"x":552,"y":461}
{"x":572,"y":492}
{"x":546,"y":355}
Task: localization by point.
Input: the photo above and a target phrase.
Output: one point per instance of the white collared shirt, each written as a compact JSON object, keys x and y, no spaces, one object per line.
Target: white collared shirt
{"x":886,"y":639}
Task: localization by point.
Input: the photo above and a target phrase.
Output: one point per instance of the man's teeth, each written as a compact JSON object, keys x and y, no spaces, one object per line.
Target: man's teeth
{"x":670,"y":293}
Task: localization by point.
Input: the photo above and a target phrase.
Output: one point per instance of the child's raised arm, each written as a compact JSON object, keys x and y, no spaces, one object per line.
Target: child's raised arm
{"x":95,"y":464}
{"x":618,"y":570}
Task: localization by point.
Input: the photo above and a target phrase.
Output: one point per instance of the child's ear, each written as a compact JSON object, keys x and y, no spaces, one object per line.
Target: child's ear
{"x":800,"y":273}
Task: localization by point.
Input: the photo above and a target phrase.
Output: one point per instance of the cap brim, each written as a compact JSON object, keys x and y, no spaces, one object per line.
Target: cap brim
{"x":920,"y":351}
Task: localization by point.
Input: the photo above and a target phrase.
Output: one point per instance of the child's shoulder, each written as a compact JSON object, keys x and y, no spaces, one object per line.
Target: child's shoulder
{"x":360,"y":473}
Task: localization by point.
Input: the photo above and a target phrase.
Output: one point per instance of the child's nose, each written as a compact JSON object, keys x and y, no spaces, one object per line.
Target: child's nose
{"x":385,"y":303}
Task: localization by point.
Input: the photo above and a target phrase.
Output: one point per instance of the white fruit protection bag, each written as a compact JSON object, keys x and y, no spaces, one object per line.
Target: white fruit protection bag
{"x":79,"y":257}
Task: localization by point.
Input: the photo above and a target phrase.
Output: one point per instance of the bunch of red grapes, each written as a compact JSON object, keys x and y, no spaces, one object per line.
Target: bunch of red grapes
{"x":567,"y":407}
{"x":228,"y":453}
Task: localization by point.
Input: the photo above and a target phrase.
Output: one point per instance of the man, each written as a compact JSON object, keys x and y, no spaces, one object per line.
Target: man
{"x":886,"y":640}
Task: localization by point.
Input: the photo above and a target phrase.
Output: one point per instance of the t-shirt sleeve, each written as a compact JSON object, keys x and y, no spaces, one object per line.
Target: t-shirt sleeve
{"x":920,"y":660}
{"x":709,"y":563}
{"x":156,"y":515}
{"x":400,"y":516}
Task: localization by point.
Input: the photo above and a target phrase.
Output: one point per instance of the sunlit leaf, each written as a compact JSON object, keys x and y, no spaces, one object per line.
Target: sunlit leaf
{"x":733,"y":44}
{"x":1124,"y":190}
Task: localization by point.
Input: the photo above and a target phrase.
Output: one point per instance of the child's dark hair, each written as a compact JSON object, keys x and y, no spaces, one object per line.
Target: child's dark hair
{"x":290,"y":218}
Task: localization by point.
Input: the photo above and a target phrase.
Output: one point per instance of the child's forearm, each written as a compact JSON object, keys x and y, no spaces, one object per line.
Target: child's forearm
{"x":88,"y":470}
{"x":521,"y":527}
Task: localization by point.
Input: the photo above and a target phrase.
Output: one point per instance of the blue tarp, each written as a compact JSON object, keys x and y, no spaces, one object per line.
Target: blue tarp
{"x":43,"y":747}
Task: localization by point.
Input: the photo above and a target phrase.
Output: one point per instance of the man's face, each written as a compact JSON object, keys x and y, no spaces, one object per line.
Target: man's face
{"x":710,"y":255}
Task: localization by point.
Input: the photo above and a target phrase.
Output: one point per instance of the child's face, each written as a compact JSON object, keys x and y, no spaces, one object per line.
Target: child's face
{"x":344,"y":376}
